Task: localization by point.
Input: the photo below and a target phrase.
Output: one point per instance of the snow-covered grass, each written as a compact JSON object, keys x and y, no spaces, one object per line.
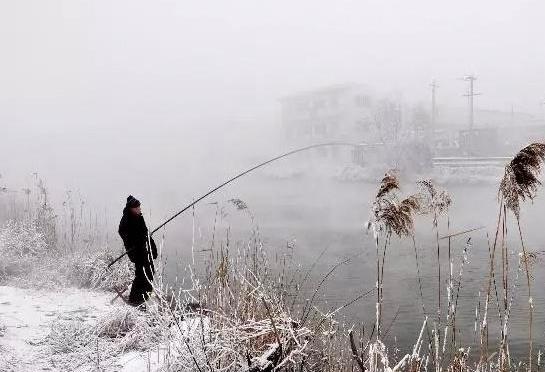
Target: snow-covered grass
{"x":241,"y":316}
{"x":239,"y":313}
{"x":43,"y":266}
{"x":47,"y":247}
{"x":90,"y":270}
{"x":74,"y":344}
{"x":22,"y":244}
{"x":28,"y":315}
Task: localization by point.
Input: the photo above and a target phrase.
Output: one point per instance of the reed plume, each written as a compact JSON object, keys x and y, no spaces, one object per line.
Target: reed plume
{"x":238,"y":203}
{"x":520,"y":180}
{"x":389,"y":213}
{"x":435,"y":200}
{"x":391,"y":216}
{"x":389,"y":183}
{"x":397,"y":217}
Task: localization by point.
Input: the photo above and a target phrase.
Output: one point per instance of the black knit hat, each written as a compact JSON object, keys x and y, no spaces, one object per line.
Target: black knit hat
{"x":132,"y":202}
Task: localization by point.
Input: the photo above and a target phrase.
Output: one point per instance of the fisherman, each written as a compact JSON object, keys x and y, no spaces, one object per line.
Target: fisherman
{"x":134,"y":233}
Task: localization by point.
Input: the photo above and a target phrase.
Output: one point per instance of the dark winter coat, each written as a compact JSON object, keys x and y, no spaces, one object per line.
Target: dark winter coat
{"x":134,"y":232}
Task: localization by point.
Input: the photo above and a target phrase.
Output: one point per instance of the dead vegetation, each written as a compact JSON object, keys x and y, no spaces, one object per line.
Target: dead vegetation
{"x":521,"y":178}
{"x":43,"y":248}
{"x":240,"y":312}
{"x":520,"y":182}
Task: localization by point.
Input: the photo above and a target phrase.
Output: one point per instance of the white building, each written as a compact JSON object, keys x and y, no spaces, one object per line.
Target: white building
{"x":337,"y":112}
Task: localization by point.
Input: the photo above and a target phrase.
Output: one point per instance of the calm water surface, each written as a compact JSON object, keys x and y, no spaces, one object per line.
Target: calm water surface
{"x":316,"y":216}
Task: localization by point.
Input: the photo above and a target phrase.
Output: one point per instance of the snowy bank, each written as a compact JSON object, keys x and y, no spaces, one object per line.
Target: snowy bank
{"x":26,"y":319}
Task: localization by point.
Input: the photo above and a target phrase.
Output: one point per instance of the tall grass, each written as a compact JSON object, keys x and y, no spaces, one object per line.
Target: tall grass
{"x":43,"y":243}
{"x":521,"y":182}
{"x":247,"y":309}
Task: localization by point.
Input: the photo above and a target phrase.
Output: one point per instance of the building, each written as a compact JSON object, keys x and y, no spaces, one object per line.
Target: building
{"x":332,"y":113}
{"x":346,"y":112}
{"x":495,"y":132}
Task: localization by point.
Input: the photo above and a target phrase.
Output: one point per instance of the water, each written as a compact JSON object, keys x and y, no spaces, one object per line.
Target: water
{"x":315,"y":215}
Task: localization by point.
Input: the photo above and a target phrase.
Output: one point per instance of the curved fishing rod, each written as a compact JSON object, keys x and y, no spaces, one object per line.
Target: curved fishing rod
{"x":306,"y":148}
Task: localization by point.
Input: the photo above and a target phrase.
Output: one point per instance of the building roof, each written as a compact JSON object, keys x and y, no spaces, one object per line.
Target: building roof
{"x":324,"y":90}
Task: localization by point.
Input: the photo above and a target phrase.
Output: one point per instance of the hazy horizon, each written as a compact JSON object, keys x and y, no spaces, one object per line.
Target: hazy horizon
{"x":87,"y":87}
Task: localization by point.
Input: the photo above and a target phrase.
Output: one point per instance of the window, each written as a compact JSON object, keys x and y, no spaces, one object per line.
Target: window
{"x":362,"y":100}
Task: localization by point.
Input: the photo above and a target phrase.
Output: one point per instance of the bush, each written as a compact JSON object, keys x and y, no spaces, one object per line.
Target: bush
{"x":22,"y":244}
{"x":75,"y":344}
{"x":90,"y":270}
{"x":27,"y":256}
{"x":22,"y":239}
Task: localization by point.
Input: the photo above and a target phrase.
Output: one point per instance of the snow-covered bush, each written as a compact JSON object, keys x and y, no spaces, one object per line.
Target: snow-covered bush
{"x":27,"y":256}
{"x":73,"y":344}
{"x":22,"y":244}
{"x":22,"y":239}
{"x":131,"y":329}
{"x":243,"y":317}
{"x":90,"y":270}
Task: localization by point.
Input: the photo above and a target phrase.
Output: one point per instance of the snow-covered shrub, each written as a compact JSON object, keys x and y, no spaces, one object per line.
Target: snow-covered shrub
{"x":27,"y":256}
{"x":73,"y":344}
{"x":90,"y":270}
{"x":68,"y":336}
{"x":243,"y":317}
{"x":22,"y":239}
{"x":129,"y":328}
{"x":22,"y":244}
{"x":118,"y":323}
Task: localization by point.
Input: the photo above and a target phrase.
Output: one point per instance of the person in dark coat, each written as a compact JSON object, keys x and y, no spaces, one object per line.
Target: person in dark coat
{"x":140,"y":248}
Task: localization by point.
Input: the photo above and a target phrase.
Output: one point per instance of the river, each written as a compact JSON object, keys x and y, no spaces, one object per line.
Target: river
{"x":314,"y":215}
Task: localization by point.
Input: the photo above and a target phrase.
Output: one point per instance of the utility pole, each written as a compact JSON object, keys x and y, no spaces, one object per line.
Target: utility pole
{"x":434,"y":87}
{"x":470,"y":94}
{"x":512,"y":115}
{"x":429,"y":132}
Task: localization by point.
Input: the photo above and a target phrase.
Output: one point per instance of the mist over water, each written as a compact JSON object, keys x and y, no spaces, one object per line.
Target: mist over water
{"x":304,"y":219}
{"x":165,"y":100}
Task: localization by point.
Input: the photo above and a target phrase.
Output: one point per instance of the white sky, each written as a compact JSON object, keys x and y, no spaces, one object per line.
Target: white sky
{"x":110,"y":59}
{"x":96,"y":77}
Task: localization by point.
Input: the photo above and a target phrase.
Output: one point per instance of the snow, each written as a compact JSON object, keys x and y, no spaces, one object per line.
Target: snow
{"x":26,"y":315}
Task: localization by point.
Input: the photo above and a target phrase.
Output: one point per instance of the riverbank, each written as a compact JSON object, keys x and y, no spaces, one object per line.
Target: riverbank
{"x":30,"y":316}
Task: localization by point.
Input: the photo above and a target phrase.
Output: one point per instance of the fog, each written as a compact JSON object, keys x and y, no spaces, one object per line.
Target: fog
{"x":166,"y":99}
{"x":91,"y":90}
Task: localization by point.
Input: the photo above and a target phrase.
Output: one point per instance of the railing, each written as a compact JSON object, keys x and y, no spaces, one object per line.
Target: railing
{"x":459,"y":162}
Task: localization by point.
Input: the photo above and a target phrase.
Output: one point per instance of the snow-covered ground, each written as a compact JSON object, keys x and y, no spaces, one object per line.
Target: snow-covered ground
{"x":26,"y":316}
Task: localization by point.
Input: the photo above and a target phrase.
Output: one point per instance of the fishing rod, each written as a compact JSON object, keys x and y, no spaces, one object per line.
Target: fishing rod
{"x":306,"y":148}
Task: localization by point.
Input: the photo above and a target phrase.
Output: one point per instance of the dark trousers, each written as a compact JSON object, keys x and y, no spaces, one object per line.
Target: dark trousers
{"x":141,"y":286}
